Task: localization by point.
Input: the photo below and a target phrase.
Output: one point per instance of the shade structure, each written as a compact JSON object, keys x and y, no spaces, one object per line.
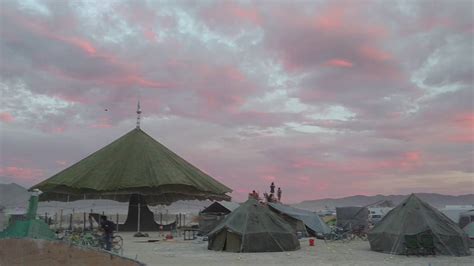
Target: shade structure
{"x":412,"y":218}
{"x":313,"y":223}
{"x":252,"y":227}
{"x":210,"y":217}
{"x":133,"y":164}
{"x":352,"y":217}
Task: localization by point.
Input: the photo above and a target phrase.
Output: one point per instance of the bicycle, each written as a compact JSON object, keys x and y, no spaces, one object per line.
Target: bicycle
{"x":336,"y":234}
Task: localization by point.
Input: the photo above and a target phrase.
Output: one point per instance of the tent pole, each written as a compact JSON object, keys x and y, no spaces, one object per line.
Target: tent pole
{"x":138,"y":225}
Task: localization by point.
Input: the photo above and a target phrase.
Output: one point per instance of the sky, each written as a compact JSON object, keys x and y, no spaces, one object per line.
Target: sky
{"x":324,"y":98}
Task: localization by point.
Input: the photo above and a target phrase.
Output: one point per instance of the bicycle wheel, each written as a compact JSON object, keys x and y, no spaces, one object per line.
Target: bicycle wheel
{"x":117,"y":243}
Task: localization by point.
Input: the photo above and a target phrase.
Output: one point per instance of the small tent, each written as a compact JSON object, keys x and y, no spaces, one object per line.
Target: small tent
{"x":310,"y":220}
{"x":214,"y":213}
{"x":352,"y":217}
{"x":253,"y":228}
{"x":414,"y":217}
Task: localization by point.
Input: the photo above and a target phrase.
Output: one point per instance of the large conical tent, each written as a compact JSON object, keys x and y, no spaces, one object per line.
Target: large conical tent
{"x":414,"y":217}
{"x":252,"y":227}
{"x":133,"y":164}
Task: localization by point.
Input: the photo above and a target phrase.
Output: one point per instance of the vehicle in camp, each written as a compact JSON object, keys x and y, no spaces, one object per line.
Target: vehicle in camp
{"x":375,"y":218}
{"x":415,"y":227}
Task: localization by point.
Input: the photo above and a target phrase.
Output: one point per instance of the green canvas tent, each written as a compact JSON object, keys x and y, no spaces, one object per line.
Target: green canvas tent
{"x":253,"y":227}
{"x":413,"y":218}
{"x":310,"y":221}
{"x":132,"y":164}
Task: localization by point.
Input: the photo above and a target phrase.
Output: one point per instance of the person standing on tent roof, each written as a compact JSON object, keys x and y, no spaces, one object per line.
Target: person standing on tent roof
{"x":279,"y":194}
{"x":272,"y":188}
{"x":108,"y":227}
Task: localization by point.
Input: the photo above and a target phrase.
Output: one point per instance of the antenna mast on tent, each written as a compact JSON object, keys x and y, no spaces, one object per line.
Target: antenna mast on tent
{"x":139,"y":111}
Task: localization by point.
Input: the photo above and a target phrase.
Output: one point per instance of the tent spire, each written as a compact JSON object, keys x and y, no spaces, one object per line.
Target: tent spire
{"x":139,"y":111}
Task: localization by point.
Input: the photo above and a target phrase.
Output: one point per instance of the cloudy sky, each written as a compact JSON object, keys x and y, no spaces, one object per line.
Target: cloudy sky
{"x":325,"y":98}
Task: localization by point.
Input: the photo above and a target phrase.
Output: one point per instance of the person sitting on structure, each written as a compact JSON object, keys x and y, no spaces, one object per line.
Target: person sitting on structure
{"x":108,"y":228}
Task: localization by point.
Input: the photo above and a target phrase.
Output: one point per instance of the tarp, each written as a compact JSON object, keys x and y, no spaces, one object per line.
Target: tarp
{"x":221,"y":207}
{"x":210,"y":217}
{"x":310,"y":219}
{"x":253,"y":227}
{"x":133,"y":164}
{"x":414,"y":217}
{"x":352,"y":217}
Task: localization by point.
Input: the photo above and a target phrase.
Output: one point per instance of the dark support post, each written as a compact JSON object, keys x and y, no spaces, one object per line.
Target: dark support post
{"x":46,"y":218}
{"x":84,"y":226}
{"x":138,"y":224}
{"x":60,"y":219}
{"x":117,"y":220}
{"x":161,"y":218}
{"x":70,"y":221}
{"x":184,"y":219}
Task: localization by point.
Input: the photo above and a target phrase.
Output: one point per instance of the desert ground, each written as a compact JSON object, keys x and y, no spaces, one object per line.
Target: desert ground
{"x":195,"y":252}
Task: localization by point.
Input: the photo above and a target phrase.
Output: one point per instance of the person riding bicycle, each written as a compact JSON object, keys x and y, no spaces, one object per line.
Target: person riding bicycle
{"x":108,"y":227}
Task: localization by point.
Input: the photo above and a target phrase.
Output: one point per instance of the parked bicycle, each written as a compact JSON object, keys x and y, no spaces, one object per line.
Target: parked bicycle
{"x":338,"y":234}
{"x":91,"y":239}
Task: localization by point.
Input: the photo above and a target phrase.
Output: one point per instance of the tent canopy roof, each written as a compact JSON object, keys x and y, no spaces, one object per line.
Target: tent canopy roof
{"x":310,"y":219}
{"x":133,"y":164}
{"x":253,"y":217}
{"x":221,"y":207}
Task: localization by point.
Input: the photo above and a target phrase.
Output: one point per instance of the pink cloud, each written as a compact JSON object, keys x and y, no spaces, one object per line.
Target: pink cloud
{"x":21,"y":173}
{"x":339,"y":63}
{"x":6,"y":117}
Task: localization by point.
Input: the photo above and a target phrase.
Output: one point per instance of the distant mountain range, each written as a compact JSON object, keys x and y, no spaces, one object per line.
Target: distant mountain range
{"x":13,"y":195}
{"x":436,"y":200}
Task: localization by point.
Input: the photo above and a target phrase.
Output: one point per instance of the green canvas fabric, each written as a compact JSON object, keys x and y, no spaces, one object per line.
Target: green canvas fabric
{"x":253,"y":227}
{"x":28,"y":228}
{"x":413,"y":217}
{"x":133,"y":164}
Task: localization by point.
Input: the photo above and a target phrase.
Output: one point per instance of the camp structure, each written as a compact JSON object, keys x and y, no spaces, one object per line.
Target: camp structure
{"x":301,"y":220}
{"x":30,"y":227}
{"x":134,"y":164}
{"x":414,"y":223}
{"x":352,"y":217}
{"x":253,"y":227}
{"x":214,"y":213}
{"x":469,"y":229}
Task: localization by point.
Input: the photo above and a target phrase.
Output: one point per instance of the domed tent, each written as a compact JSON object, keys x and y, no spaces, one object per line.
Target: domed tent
{"x":414,"y":218}
{"x":253,"y":228}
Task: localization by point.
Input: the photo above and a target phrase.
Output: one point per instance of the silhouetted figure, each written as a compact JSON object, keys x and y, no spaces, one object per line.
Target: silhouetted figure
{"x":272,"y":188}
{"x":279,"y":194}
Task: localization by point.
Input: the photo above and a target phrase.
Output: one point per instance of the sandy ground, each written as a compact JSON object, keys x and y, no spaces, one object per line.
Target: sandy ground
{"x":194,"y":252}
